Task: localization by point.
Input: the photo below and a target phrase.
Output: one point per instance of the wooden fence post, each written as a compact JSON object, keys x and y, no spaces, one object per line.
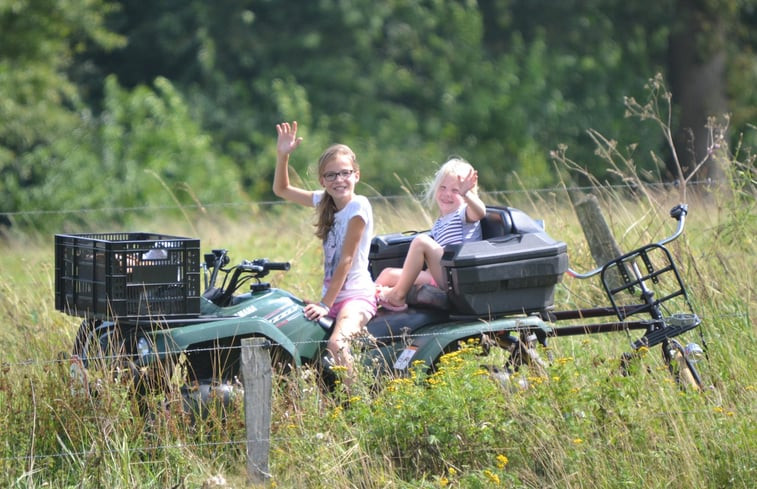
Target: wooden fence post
{"x":256,"y":377}
{"x":602,"y":244}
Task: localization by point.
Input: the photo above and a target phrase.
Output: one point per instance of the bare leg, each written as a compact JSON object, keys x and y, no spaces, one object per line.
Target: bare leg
{"x":423,"y":250}
{"x":349,"y":322}
{"x":388,"y":277}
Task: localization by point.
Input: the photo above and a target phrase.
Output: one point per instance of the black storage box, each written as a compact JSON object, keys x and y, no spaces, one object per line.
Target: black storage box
{"x":507,"y":274}
{"x":513,"y":270}
{"x":127,"y":275}
{"x":389,"y":250}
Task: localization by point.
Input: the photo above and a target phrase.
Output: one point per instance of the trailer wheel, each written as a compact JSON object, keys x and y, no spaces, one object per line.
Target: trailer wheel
{"x":681,"y":365}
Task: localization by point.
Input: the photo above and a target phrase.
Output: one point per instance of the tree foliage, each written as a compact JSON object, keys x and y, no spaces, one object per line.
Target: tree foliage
{"x":39,"y":104}
{"x":185,"y":94}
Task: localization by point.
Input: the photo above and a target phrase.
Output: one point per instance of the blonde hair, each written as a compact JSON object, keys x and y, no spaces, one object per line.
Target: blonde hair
{"x":327,"y":207}
{"x":455,"y":166}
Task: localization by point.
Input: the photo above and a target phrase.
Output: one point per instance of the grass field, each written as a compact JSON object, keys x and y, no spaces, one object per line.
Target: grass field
{"x":581,"y":425}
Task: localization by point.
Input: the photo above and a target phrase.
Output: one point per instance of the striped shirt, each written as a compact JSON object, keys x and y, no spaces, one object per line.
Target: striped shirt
{"x":454,"y":228}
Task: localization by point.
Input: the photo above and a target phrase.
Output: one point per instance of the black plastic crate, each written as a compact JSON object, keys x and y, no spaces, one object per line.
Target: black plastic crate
{"x":127,"y":275}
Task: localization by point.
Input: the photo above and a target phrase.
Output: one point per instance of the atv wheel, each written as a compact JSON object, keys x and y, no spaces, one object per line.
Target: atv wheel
{"x":504,"y":355}
{"x":97,"y":342}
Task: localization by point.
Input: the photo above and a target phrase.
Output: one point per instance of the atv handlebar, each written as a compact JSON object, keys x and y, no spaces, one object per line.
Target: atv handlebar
{"x":277,"y":265}
{"x":262,"y":266}
{"x":678,"y":213}
{"x":237,"y":275}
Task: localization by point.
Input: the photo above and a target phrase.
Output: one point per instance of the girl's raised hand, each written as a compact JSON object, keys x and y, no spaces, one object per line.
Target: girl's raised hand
{"x":468,"y":182}
{"x":288,"y":140}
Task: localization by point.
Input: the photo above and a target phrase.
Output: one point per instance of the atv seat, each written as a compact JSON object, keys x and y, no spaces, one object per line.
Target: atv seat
{"x":503,"y":221}
{"x":496,"y":223}
{"x":386,"y":325}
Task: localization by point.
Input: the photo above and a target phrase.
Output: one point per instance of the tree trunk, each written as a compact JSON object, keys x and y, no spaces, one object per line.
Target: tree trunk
{"x":697,"y":60}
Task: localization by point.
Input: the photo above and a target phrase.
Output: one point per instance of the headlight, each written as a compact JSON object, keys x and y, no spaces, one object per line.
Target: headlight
{"x":144,"y":349}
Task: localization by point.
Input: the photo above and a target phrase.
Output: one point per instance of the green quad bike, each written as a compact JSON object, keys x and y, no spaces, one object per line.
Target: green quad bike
{"x":139,"y":295}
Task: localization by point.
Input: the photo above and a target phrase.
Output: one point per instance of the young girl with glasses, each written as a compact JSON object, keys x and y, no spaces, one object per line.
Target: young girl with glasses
{"x":345,"y":226}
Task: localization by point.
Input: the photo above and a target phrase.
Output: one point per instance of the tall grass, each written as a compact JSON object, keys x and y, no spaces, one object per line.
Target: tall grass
{"x":581,"y":425}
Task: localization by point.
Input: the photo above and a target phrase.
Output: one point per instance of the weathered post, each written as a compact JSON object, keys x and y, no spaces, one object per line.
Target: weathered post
{"x":602,"y":244}
{"x":256,"y":377}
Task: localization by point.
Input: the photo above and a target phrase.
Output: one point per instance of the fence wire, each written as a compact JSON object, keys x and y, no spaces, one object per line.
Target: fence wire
{"x":273,"y":203}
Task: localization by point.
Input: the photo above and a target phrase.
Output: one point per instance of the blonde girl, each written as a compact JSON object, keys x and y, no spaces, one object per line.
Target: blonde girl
{"x":455,"y":191}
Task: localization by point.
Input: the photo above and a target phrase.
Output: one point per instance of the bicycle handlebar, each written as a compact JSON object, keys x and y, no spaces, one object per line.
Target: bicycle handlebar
{"x":678,"y":213}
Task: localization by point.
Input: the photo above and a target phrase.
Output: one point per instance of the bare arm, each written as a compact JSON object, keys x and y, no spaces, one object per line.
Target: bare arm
{"x":355,"y":229}
{"x":287,"y":142}
{"x":476,"y":209}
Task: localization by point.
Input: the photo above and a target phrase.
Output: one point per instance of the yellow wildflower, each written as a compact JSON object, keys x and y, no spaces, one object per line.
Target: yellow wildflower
{"x":501,"y":461}
{"x":337,"y":412}
{"x":492,"y":476}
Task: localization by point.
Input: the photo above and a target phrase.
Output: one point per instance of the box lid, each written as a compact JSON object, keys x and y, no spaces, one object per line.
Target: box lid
{"x":513,"y":247}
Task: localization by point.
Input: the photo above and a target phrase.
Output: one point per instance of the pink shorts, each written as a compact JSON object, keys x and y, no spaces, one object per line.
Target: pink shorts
{"x":366,"y":305}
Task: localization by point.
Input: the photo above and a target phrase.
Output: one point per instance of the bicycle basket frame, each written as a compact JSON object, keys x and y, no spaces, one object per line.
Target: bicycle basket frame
{"x":649,"y":271}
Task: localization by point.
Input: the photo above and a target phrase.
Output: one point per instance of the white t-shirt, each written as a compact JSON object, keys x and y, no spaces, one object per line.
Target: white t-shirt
{"x":359,"y":281}
{"x":454,"y":228}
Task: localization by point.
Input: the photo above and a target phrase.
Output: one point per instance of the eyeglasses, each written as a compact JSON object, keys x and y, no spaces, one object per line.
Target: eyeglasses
{"x":330,"y":176}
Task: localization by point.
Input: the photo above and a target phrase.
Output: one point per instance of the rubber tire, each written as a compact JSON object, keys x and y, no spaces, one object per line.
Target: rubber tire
{"x":685,"y":371}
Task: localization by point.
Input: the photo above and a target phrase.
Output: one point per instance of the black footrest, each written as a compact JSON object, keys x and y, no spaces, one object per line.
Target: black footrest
{"x":674,"y":326}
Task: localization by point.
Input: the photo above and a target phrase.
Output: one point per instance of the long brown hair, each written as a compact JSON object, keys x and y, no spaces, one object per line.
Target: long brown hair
{"x":327,"y":207}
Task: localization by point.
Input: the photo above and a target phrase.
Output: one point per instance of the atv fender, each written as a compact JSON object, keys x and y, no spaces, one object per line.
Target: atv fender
{"x":176,"y":340}
{"x":437,"y":340}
